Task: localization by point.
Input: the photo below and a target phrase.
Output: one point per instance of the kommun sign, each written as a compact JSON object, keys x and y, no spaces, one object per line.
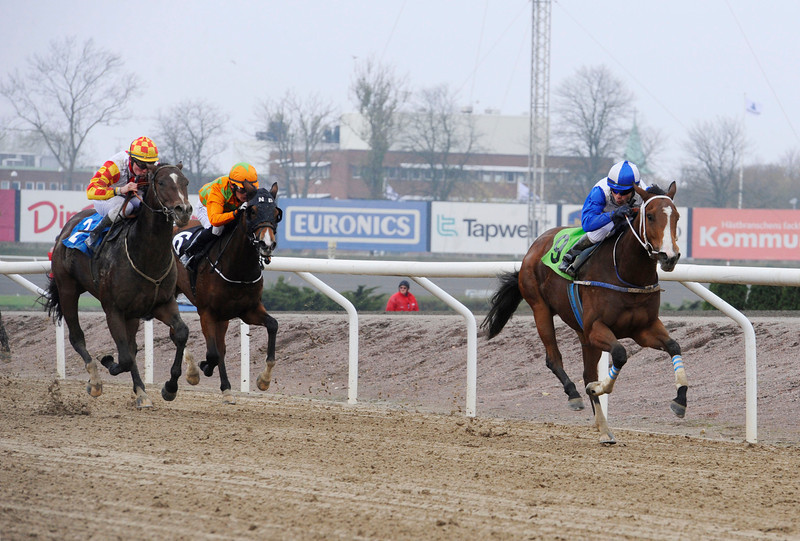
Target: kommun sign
{"x":486,"y":228}
{"x":770,"y":235}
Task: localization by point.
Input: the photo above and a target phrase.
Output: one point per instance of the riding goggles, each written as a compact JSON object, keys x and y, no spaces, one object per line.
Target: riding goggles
{"x":621,"y":192}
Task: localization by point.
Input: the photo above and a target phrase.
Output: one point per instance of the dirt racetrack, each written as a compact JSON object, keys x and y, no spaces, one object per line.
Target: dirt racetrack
{"x":297,"y":462}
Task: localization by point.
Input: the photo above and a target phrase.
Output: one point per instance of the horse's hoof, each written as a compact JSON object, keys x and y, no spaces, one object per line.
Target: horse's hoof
{"x":107,"y":361}
{"x":166,"y":395}
{"x":594,"y":389}
{"x":609,"y":441}
{"x":193,"y":377}
{"x":207,"y":368}
{"x":227,"y":397}
{"x":576,"y":404}
{"x":262,"y":383}
{"x":94,"y":390}
{"x":678,"y":409}
{"x":143,"y":402}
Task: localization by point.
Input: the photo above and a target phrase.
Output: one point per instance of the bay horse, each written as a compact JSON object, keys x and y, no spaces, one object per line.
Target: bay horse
{"x":615,"y":295}
{"x":229,"y":283}
{"x":132,"y":274}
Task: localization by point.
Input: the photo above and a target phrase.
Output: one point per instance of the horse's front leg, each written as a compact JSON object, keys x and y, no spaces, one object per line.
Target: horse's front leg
{"x":599,"y":338}
{"x":591,"y":355}
{"x":224,"y":382}
{"x":124,"y":333}
{"x":259,"y":316}
{"x":169,"y":314}
{"x":657,"y":337}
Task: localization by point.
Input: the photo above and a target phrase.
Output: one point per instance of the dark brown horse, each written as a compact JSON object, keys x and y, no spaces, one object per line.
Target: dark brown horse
{"x":229,"y":284}
{"x":133,"y":275}
{"x":619,"y":294}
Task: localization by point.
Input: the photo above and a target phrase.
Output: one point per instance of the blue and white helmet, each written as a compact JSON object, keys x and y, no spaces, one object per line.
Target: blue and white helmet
{"x":623,"y":176}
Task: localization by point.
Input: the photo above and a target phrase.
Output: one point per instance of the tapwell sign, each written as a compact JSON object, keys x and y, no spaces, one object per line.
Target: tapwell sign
{"x":744,"y":234}
{"x":354,"y":225}
{"x":479,"y":228}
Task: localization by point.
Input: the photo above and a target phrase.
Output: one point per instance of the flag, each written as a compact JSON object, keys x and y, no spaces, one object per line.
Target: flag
{"x":391,"y":194}
{"x":523,"y":193}
{"x":753,"y":107}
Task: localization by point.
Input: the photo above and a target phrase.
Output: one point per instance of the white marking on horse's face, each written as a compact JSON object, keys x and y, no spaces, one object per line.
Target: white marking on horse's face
{"x":174,"y":177}
{"x":668,"y":244}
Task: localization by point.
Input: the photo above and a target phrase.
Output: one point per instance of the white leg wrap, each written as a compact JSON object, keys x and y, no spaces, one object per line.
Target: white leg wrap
{"x":680,"y":373}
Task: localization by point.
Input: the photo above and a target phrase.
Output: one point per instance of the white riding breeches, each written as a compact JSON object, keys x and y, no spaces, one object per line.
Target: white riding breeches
{"x":202,"y":214}
{"x":111,"y":207}
{"x":599,"y":234}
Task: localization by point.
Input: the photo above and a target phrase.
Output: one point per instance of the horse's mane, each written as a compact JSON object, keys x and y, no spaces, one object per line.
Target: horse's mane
{"x":655,"y":189}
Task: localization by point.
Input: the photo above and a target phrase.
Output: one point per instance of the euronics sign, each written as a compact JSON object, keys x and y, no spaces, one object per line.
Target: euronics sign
{"x":354,"y":225}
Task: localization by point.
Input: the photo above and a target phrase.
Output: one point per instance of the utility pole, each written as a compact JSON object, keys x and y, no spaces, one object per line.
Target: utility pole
{"x":539,"y":133}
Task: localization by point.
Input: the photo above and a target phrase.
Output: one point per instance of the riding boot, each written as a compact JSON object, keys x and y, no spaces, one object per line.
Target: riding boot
{"x":568,"y":265}
{"x":190,"y":256}
{"x":94,"y":235}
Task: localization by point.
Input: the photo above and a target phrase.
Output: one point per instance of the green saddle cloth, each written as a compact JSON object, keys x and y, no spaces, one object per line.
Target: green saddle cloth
{"x":562,"y":243}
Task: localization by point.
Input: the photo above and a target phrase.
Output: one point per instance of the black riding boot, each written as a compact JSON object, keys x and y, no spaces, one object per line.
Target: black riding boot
{"x":567,"y":262}
{"x":189,"y":257}
{"x":97,"y":231}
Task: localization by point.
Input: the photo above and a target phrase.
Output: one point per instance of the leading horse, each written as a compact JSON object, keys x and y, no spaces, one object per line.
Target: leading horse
{"x":133,"y":275}
{"x":229,"y":284}
{"x":616,"y":295}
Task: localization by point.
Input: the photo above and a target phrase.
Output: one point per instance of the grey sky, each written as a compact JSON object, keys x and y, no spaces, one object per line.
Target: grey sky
{"x":686,"y":61}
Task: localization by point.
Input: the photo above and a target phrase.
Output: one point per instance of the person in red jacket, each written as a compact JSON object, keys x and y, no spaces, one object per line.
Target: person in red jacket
{"x":403,"y":300}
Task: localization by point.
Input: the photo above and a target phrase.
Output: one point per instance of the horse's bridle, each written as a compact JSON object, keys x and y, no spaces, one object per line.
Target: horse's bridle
{"x":169,"y":213}
{"x":642,"y":234}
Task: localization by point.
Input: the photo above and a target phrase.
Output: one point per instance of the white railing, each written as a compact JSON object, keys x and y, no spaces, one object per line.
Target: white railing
{"x":688,"y":275}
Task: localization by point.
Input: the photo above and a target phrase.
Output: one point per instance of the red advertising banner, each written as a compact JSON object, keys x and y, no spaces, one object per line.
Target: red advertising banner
{"x":746,"y":234}
{"x":8,"y":215}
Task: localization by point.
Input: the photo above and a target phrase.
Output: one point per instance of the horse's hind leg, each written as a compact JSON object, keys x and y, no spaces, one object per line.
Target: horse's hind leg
{"x":657,"y":337}
{"x":68,"y":300}
{"x":553,"y":359}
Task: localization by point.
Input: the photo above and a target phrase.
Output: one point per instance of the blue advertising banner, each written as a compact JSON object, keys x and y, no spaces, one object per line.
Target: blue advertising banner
{"x":400,"y":226}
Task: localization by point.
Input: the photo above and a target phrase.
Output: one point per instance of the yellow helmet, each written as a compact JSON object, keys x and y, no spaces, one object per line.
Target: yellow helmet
{"x":243,"y":171}
{"x":144,"y":149}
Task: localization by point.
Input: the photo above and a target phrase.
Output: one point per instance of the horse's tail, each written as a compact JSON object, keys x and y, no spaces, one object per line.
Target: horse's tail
{"x":51,"y":301}
{"x":504,"y":303}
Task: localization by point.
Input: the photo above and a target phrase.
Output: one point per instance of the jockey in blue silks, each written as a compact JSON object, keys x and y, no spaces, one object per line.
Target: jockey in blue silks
{"x":609,"y":202}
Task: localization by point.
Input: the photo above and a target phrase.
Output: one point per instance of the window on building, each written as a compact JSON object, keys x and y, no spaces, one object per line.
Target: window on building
{"x":40,"y":185}
{"x":5,"y":184}
{"x":29,"y":185}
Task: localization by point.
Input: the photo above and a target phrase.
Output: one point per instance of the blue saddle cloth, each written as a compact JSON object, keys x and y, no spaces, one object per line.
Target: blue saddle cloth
{"x":81,"y":231}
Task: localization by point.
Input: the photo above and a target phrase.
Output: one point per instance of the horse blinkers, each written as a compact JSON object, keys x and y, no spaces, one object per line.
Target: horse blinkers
{"x":263,"y":216}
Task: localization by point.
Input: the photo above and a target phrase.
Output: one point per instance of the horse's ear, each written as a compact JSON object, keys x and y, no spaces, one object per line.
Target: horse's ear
{"x":180,"y":165}
{"x":644,"y":194}
{"x":672,"y":189}
{"x":274,"y":190}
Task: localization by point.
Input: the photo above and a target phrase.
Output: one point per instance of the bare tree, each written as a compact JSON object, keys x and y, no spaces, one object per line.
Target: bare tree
{"x":190,"y":132}
{"x":715,"y":149}
{"x":298,"y":130}
{"x":378,"y":94}
{"x":66,"y":93}
{"x":593,"y":109}
{"x":442,"y":137}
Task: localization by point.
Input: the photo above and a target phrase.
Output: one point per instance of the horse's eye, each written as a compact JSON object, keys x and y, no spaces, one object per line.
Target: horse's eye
{"x":651,"y":218}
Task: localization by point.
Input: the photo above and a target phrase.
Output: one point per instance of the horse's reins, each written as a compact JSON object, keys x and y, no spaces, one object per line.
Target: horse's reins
{"x":631,"y":288}
{"x":169,"y":213}
{"x":252,"y":240}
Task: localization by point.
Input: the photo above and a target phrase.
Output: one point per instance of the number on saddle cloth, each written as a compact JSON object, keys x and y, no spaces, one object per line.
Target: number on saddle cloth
{"x":81,"y":231}
{"x":183,"y":239}
{"x":562,"y":243}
